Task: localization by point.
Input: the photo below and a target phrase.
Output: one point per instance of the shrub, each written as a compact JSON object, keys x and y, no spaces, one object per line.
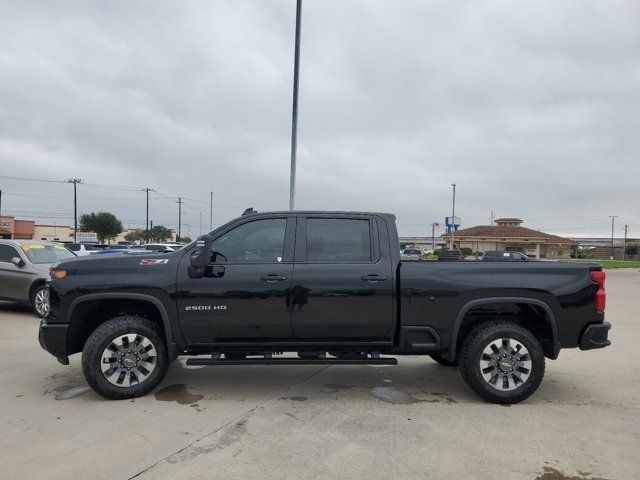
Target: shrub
{"x":466,"y":251}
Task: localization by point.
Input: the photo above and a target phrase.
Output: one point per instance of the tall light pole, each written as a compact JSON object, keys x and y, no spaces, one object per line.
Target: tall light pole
{"x":75,"y":182}
{"x":613,"y":218}
{"x":294,"y":113}
{"x":453,"y":216}
{"x":211,"y":212}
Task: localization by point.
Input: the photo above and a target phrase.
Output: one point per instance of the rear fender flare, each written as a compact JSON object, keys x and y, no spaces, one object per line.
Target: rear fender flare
{"x":549,"y":316}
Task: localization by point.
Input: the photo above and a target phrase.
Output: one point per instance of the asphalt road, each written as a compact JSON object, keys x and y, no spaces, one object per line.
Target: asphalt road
{"x":417,"y":420}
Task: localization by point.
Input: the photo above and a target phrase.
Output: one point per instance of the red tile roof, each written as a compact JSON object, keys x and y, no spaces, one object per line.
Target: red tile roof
{"x":502,"y":231}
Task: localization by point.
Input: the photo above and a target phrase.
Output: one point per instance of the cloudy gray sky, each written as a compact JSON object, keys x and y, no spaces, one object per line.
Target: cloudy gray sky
{"x":532,"y":108}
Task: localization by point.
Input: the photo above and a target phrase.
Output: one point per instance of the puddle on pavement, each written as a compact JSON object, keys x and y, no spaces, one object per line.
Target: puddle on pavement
{"x":177,"y":393}
{"x":72,"y":392}
{"x":551,"y":473}
{"x":393,"y":395}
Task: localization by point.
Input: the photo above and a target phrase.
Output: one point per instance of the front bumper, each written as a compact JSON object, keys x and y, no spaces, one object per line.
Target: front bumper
{"x":595,"y":336}
{"x":53,"y":338}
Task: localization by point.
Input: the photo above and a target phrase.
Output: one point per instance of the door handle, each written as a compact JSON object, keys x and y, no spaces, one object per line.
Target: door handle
{"x":273,"y":277}
{"x":373,"y":278}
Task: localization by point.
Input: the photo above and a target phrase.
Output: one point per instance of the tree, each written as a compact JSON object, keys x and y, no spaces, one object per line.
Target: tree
{"x":633,"y":249}
{"x":134,"y":236}
{"x":105,"y":224}
{"x":160,"y":233}
{"x":183,"y":239}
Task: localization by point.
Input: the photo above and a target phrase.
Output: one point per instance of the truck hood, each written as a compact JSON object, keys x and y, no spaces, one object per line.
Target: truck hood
{"x":120,"y":264}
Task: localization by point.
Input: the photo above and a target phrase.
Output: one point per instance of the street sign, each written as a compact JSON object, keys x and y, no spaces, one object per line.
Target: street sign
{"x":452,"y":221}
{"x":87,"y":237}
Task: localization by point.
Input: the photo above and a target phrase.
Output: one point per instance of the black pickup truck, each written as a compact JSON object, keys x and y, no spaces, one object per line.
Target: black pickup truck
{"x":317,"y":288}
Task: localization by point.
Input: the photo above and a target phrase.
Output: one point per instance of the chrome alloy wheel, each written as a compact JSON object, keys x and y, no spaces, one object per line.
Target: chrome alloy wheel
{"x":128,"y":360}
{"x":505,"y":364}
{"x":41,"y":301}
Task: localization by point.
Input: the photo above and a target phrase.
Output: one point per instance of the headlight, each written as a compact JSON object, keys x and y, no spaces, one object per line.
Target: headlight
{"x":57,"y":273}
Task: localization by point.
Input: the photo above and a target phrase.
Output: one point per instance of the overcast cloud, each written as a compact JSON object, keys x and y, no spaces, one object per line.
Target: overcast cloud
{"x":532,"y":108}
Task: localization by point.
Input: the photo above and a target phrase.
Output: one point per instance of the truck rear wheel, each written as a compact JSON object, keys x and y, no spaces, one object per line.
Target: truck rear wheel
{"x":125,"y":357}
{"x":502,"y":362}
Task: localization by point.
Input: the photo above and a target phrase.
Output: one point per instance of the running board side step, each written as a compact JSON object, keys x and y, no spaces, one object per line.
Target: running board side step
{"x":292,"y":361}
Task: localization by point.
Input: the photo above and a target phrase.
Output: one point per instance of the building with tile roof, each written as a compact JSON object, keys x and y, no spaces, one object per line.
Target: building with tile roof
{"x":508,"y":234}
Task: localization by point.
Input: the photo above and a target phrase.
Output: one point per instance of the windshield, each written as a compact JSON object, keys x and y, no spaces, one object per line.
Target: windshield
{"x":46,"y":253}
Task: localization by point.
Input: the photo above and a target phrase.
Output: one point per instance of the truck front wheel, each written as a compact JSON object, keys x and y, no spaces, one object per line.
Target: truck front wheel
{"x":502,"y":362}
{"x":125,"y":357}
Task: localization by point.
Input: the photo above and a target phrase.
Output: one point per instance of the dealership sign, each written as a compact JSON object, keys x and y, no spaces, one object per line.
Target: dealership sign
{"x":87,"y":237}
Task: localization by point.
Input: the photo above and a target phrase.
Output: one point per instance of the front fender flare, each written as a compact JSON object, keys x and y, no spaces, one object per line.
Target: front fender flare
{"x":172,"y":347}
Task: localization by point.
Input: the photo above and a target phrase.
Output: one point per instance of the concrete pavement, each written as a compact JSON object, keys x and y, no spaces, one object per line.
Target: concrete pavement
{"x":417,"y":420}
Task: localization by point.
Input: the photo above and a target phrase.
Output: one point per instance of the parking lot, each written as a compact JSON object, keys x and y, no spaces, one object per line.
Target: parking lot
{"x":415,"y":420}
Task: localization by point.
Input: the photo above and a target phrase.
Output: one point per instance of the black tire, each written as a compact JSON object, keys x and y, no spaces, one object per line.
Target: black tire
{"x":35,"y":300}
{"x":110,"y":331}
{"x":444,"y":361}
{"x":483,"y":338}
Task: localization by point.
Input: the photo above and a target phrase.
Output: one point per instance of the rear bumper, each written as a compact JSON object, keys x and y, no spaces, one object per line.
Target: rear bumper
{"x":595,"y":336}
{"x":53,"y":338}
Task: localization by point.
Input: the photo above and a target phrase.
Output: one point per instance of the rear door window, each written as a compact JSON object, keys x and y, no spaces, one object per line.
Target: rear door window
{"x":336,"y":240}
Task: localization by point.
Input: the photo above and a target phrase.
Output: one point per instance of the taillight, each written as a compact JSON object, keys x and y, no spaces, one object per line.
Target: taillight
{"x":598,"y":276}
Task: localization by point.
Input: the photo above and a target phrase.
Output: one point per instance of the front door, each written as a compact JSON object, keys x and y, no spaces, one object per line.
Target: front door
{"x":243,"y":296}
{"x":342,"y":287}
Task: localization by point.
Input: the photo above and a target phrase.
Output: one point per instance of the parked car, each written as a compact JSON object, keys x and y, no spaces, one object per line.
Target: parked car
{"x":163,"y":247}
{"x":495,"y":256}
{"x":412,"y":254}
{"x":112,"y":249}
{"x":327,"y":285}
{"x":450,"y":255}
{"x":82,"y":249}
{"x":24,"y":268}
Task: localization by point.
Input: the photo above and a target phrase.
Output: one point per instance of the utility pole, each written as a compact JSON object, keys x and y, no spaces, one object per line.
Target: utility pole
{"x":433,"y":236}
{"x":179,"y":218}
{"x":294,"y":112}
{"x":75,"y":182}
{"x":200,"y":222}
{"x":211,"y":213}
{"x":491,"y":218}
{"x":146,"y":225}
{"x":624,"y":245}
{"x":453,"y":216}
{"x":613,"y":218}
{"x":151,"y":231}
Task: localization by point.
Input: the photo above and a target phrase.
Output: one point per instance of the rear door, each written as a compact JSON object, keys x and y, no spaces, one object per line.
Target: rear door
{"x":342,"y":281}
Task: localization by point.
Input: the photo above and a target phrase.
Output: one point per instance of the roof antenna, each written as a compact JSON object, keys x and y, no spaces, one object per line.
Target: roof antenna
{"x":249,"y":211}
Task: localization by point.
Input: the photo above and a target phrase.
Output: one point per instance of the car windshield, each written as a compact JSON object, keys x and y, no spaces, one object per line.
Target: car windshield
{"x":38,"y":253}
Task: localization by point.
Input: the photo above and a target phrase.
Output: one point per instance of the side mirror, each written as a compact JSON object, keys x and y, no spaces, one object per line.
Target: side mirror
{"x":18,"y":262}
{"x":199,"y":258}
